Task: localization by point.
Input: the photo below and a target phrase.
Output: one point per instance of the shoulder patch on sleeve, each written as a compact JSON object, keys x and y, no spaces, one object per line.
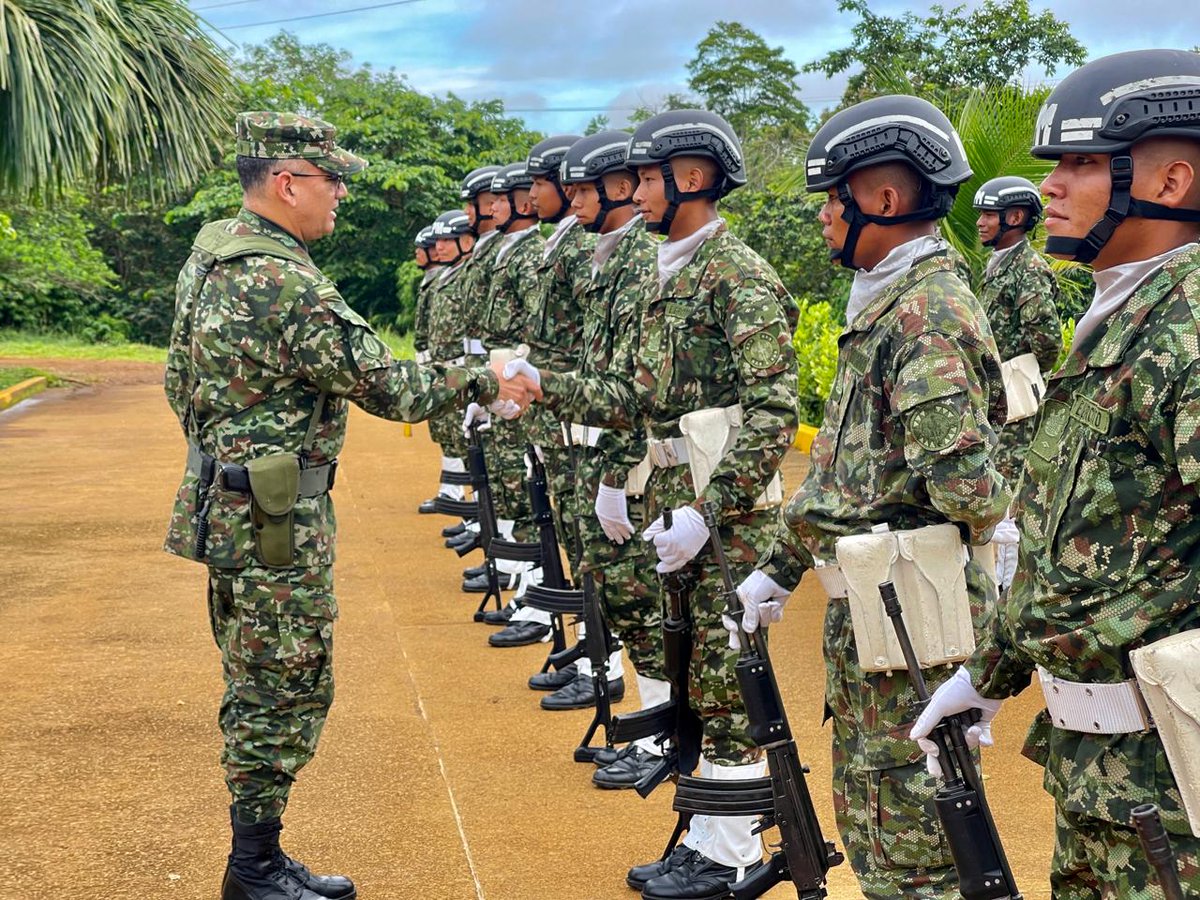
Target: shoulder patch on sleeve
{"x":762,"y":351}
{"x":936,"y":425}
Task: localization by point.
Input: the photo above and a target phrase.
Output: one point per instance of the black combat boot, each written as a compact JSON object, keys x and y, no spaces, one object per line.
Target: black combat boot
{"x":259,"y":870}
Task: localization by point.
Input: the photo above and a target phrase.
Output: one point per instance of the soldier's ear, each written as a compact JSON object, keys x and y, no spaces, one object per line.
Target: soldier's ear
{"x":1014,"y":216}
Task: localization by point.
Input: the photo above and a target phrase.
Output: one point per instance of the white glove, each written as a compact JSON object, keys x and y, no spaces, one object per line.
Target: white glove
{"x":1006,"y":537}
{"x":956,"y":695}
{"x":613,"y":513}
{"x":678,"y":545}
{"x":475,"y":413}
{"x":505,"y":409}
{"x":519,"y":366}
{"x":735,"y":643}
{"x":763,"y":599}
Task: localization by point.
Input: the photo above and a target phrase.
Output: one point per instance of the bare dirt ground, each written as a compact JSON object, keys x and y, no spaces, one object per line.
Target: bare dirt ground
{"x":437,"y":776}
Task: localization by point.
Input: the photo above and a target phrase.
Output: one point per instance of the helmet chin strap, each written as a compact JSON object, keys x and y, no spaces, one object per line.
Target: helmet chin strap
{"x":564,"y":205}
{"x":937,"y":204}
{"x":675,"y":197}
{"x":1120,"y":207}
{"x":1004,"y":229}
{"x":606,"y":205}
{"x":503,"y":227}
{"x":479,"y":216}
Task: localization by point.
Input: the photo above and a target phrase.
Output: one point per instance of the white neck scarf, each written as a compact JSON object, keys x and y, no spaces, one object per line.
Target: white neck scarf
{"x":560,"y":232}
{"x":674,"y":255}
{"x":1114,"y":286}
{"x":606,"y":244}
{"x":868,"y":284}
{"x":998,"y":257}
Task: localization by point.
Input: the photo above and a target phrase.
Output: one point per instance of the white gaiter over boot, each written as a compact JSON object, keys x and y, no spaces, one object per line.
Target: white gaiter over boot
{"x":653,"y":691}
{"x":728,"y":839}
{"x":452,"y":464}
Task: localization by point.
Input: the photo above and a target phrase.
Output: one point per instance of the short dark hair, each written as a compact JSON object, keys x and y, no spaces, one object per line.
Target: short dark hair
{"x":253,"y":172}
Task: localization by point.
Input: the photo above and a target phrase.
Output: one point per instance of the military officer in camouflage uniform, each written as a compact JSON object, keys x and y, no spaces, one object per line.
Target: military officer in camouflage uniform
{"x":716,"y":333}
{"x":511,"y":291}
{"x":1019,"y":292}
{"x":264,"y":359}
{"x":623,"y":272}
{"x":1108,"y":508}
{"x":906,"y":442}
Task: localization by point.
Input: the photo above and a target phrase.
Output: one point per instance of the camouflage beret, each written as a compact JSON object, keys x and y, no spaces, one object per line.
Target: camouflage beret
{"x":276,"y":135}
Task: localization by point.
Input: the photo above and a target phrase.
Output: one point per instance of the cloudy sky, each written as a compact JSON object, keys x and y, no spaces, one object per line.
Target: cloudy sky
{"x":557,"y":63}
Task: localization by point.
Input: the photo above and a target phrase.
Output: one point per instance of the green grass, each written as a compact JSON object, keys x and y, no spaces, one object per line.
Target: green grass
{"x":27,"y":344}
{"x":401,"y":345}
{"x":17,"y":374}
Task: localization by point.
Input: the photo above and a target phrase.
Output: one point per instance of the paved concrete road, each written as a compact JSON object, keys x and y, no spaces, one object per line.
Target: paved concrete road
{"x":437,"y":776}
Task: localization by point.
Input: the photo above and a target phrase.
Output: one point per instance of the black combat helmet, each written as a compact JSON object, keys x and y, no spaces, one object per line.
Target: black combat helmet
{"x":476,"y":182}
{"x":1106,"y":107}
{"x":687,"y":132}
{"x":452,"y":224}
{"x":507,"y":179}
{"x":544,"y":160}
{"x":592,"y":157}
{"x":1007,"y":192}
{"x":897,"y":128}
{"x":425,"y":241}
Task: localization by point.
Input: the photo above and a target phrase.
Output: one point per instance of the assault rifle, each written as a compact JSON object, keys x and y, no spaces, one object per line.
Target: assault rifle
{"x":781,"y":798}
{"x":983,"y":870}
{"x":1157,"y":848}
{"x":674,"y":725}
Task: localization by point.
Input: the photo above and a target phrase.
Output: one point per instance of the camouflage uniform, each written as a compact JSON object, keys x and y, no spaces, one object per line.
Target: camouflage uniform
{"x":906,"y":440}
{"x":259,"y":334}
{"x":718,"y":333}
{"x":423,"y":314}
{"x":554,"y":333}
{"x":446,"y":319}
{"x":512,"y":281}
{"x":1109,"y":511}
{"x":624,"y":573}
{"x":1018,"y":293}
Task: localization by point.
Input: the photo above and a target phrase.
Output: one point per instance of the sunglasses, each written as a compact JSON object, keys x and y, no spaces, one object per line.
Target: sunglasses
{"x":335,"y":179}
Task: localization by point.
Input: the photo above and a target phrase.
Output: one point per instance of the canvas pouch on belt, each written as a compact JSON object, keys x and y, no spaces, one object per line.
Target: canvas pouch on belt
{"x":711,"y":433}
{"x":1168,"y":674}
{"x":274,"y":487}
{"x":1024,"y":386}
{"x":927,"y":566}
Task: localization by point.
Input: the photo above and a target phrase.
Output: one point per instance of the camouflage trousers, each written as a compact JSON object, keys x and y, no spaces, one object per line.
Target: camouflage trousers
{"x":446,"y":431}
{"x":1095,"y":859}
{"x":274,"y":628}
{"x":504,"y":449}
{"x":882,"y":794}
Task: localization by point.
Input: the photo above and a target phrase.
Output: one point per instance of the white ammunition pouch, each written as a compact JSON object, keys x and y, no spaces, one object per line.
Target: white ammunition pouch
{"x":1024,"y":386}
{"x":1169,"y":677}
{"x":927,"y":566}
{"x":473,"y":347}
{"x":708,"y":434}
{"x":585,"y":435}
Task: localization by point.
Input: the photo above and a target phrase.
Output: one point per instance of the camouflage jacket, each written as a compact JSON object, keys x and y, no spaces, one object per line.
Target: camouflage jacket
{"x":421,"y":316}
{"x":513,"y":281}
{"x":1019,"y":298}
{"x":259,"y":333}
{"x":447,"y":315}
{"x":717,"y":334}
{"x":1109,"y":511}
{"x":554,"y":312}
{"x":910,"y":423}
{"x":472,"y":285}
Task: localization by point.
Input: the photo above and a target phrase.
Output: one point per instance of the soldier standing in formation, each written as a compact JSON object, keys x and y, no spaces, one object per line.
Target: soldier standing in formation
{"x":423,"y":256}
{"x":716,"y":336}
{"x":1108,"y":507}
{"x":264,"y":427}
{"x":906,"y":443}
{"x":1019,"y":294}
{"x":610,"y":478}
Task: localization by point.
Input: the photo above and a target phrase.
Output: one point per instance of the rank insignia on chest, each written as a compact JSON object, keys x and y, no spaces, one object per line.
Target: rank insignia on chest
{"x":1049,"y":435}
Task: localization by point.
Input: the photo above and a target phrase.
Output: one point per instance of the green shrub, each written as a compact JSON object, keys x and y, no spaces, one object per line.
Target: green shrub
{"x":815,"y":341}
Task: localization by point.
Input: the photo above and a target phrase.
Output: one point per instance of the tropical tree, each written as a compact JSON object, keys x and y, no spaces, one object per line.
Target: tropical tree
{"x":748,"y":82}
{"x":948,"y":48}
{"x":104,"y":91}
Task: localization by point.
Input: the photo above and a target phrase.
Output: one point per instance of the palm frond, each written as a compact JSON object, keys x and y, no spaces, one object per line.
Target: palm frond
{"x":105,"y":91}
